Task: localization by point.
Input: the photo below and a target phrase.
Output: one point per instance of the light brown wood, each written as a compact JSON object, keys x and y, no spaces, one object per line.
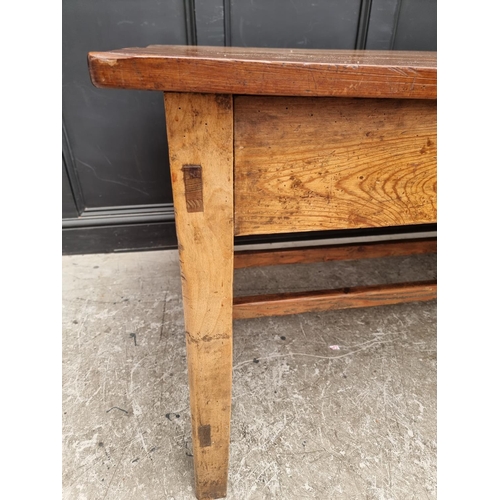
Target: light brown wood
{"x":200,"y":133}
{"x":300,"y":164}
{"x":261,"y":71}
{"x":323,"y":300}
{"x":305,"y":164}
{"x":323,"y":253}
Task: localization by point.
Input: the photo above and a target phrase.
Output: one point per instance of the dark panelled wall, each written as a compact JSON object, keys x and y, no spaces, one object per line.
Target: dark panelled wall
{"x":116,"y":193}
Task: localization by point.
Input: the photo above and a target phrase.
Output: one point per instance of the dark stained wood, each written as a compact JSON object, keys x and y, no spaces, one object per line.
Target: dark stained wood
{"x":323,"y":300}
{"x":304,"y":163}
{"x":304,"y":255}
{"x":257,"y":71}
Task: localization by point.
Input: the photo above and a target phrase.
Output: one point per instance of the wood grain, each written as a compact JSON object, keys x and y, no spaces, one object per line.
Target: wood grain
{"x":258,"y":71}
{"x":324,"y":253}
{"x":323,"y":300}
{"x":200,"y":132}
{"x":306,"y":164}
{"x":193,"y":187}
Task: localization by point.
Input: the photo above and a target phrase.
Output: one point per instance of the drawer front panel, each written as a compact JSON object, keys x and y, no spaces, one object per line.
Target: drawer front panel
{"x":304,"y":164}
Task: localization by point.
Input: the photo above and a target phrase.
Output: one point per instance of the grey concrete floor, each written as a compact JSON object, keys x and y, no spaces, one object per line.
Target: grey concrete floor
{"x":308,"y":422}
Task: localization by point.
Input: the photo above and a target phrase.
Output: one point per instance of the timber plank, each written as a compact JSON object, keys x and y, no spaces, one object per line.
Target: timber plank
{"x":305,"y":164}
{"x":328,"y":253}
{"x":263,"y":71}
{"x":323,"y":300}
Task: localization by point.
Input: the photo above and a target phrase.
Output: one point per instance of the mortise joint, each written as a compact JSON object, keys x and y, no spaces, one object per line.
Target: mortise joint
{"x":204,"y":436}
{"x":193,"y":187}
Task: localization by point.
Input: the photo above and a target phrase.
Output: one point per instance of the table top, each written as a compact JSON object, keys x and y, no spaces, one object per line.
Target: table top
{"x":263,"y":71}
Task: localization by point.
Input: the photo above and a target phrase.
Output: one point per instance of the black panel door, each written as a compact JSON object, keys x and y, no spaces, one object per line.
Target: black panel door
{"x":116,"y":192}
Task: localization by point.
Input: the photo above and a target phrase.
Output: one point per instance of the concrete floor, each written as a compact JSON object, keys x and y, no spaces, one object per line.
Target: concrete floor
{"x":308,"y":421}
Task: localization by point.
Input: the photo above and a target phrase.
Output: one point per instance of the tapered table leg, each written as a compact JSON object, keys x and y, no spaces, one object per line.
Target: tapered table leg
{"x":200,"y":139}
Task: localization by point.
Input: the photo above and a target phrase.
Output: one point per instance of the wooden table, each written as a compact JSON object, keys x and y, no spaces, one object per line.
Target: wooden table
{"x":266,"y":141}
